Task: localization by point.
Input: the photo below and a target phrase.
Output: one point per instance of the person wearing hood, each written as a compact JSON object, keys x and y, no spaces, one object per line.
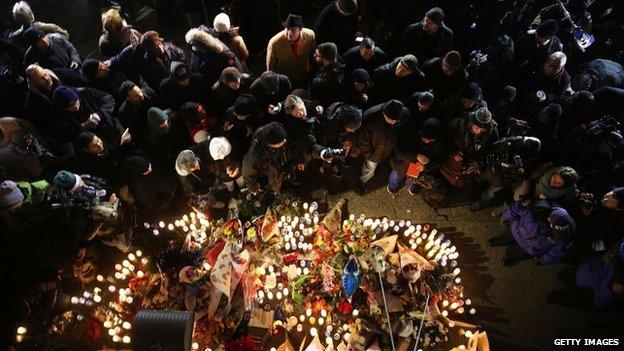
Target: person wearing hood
{"x":20,"y":201}
{"x":536,"y":46}
{"x":270,"y":90}
{"x":466,"y":102}
{"x":337,"y":23}
{"x":445,"y":75}
{"x":108,"y":75}
{"x":366,"y":56}
{"x":241,"y":121}
{"x":417,"y":157}
{"x":200,"y":126}
{"x":327,"y":82}
{"x":182,"y":86}
{"x":146,"y":187}
{"x":428,"y":38}
{"x":133,"y":110}
{"x":50,"y":50}
{"x":359,"y":84}
{"x":167,"y":137}
{"x":270,"y":156}
{"x":209,"y":56}
{"x":604,"y":272}
{"x":398,"y":79}
{"x":377,"y":139}
{"x":538,"y":229}
{"x":24,"y":16}
{"x":557,"y":184}
{"x":225,"y":91}
{"x":116,"y":34}
{"x":231,"y":37}
{"x":158,"y":58}
{"x":290,"y":52}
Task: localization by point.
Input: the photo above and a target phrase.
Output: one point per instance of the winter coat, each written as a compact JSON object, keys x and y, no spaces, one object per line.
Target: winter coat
{"x":112,"y":44}
{"x":120,"y":69}
{"x":595,"y":273}
{"x":155,"y":69}
{"x":264,"y":98}
{"x":333,"y":128}
{"x":60,"y":54}
{"x":282,"y":59}
{"x":376,"y":140}
{"x":35,"y":198}
{"x":16,"y":162}
{"x":473,"y":148}
{"x":214,"y":56}
{"x":442,"y":85}
{"x":602,"y":73}
{"x":353,"y":60}
{"x":332,"y":26}
{"x":565,"y":196}
{"x":408,"y":150}
{"x":173,"y":95}
{"x":200,"y":181}
{"x":134,"y":117}
{"x":327,"y":85}
{"x":17,"y":37}
{"x":424,"y":45}
{"x":301,"y":137}
{"x":389,"y":86}
{"x":534,"y":234}
{"x":531,"y":55}
{"x":221,"y":98}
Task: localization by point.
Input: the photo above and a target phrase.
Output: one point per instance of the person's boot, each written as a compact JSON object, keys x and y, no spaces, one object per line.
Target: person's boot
{"x":414,"y":190}
{"x":363,"y":188}
{"x":507,"y":261}
{"x":391,"y":191}
{"x":498,"y":241}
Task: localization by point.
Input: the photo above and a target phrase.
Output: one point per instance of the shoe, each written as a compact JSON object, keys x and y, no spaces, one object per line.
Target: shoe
{"x":478,"y":205}
{"x":497,"y":241}
{"x":506,"y":261}
{"x":413,"y":191}
{"x":363,"y":188}
{"x":390,"y":191}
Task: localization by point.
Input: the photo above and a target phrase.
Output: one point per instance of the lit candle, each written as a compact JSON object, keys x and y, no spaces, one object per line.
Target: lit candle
{"x":313,"y":331}
{"x":355,"y":312}
{"x":309,"y":312}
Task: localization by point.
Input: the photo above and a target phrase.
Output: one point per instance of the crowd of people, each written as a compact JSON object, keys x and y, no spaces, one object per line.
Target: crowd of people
{"x":524,"y":100}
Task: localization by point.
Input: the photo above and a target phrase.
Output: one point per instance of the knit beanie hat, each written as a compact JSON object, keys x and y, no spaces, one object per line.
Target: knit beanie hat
{"x":219,"y":148}
{"x":32,"y":35}
{"x":10,"y":194}
{"x":436,"y":15}
{"x":230,"y":75}
{"x":431,"y":128}
{"x":393,"y":109}
{"x":136,"y":165}
{"x":67,"y":181}
{"x":245,"y":105}
{"x":274,"y":133}
{"x":90,"y":68}
{"x":350,"y":116}
{"x":425,"y":97}
{"x":482,"y":117}
{"x":561,"y":222}
{"x":188,"y":111}
{"x":270,"y":81}
{"x":471,"y":91}
{"x":548,"y":28}
{"x":328,"y":51}
{"x":221,"y":22}
{"x":360,"y":75}
{"x":65,"y":97}
{"x":84,"y":139}
{"x":410,"y":61}
{"x":155,"y":117}
{"x":348,"y":6}
{"x":186,"y":162}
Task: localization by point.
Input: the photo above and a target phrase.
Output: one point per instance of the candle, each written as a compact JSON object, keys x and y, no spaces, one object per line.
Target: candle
{"x":355,"y":312}
{"x":126,"y":325}
{"x":321,"y":321}
{"x":323,"y":313}
{"x":309,"y":312}
{"x":313,"y":331}
{"x":285,"y":291}
{"x":302,"y":318}
{"x":269,"y":295}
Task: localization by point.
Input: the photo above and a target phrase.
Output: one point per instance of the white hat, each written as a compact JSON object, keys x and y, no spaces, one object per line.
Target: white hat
{"x":186,"y":162}
{"x":219,"y":148}
{"x":221,"y":22}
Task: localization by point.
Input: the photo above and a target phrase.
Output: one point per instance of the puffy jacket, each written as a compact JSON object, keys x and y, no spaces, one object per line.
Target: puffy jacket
{"x":376,"y":139}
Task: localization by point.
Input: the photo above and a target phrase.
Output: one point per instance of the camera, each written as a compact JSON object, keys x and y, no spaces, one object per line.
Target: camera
{"x":329,"y":154}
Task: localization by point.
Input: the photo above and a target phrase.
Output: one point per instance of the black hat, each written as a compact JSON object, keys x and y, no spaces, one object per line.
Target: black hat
{"x":348,"y":6}
{"x":293,"y":21}
{"x":393,"y":109}
{"x":471,"y":91}
{"x":350,"y":116}
{"x":274,"y":133}
{"x":181,"y":72}
{"x":482,"y":117}
{"x":431,"y":128}
{"x":32,"y":35}
{"x":230,"y":75}
{"x":84,"y":139}
{"x":360,"y":75}
{"x":188,"y":111}
{"x":136,"y":165}
{"x":509,"y":93}
{"x":424,"y":97}
{"x":90,"y":68}
{"x":410,"y":61}
{"x":245,"y":105}
{"x":548,"y":28}
{"x":270,"y":81}
{"x":530,"y":147}
{"x":64,"y":96}
{"x":328,"y":51}
{"x":436,"y":15}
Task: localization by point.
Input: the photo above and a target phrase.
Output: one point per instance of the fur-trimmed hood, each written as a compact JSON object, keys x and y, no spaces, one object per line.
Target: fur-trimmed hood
{"x":199,"y":37}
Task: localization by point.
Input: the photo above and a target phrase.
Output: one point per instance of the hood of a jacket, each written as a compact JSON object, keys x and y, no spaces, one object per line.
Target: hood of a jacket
{"x":198,"y":37}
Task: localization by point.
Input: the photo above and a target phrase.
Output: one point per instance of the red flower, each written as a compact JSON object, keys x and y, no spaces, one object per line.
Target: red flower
{"x":93,"y":328}
{"x":345,"y":307}
{"x":290,"y":258}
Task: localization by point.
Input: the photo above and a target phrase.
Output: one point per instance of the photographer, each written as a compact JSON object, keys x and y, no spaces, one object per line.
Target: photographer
{"x":19,"y":202}
{"x":22,"y":157}
{"x":508,"y":161}
{"x":604,"y":272}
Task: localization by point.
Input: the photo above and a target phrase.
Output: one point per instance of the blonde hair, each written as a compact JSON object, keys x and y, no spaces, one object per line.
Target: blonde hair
{"x":22,"y":13}
{"x":32,"y":69}
{"x":291,"y":102}
{"x":112,"y":21}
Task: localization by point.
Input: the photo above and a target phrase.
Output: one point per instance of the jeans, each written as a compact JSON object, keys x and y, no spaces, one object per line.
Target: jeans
{"x":396,"y":181}
{"x":368,"y":171}
{"x":230,"y":185}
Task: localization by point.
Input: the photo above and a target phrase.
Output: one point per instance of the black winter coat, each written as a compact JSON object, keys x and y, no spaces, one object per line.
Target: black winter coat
{"x":376,"y":140}
{"x":332,"y":26}
{"x":389,"y":86}
{"x":60,"y":54}
{"x":424,"y":45}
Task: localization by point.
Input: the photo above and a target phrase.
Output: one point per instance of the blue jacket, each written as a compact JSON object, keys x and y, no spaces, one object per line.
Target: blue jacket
{"x":534,"y":235}
{"x":599,"y":275}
